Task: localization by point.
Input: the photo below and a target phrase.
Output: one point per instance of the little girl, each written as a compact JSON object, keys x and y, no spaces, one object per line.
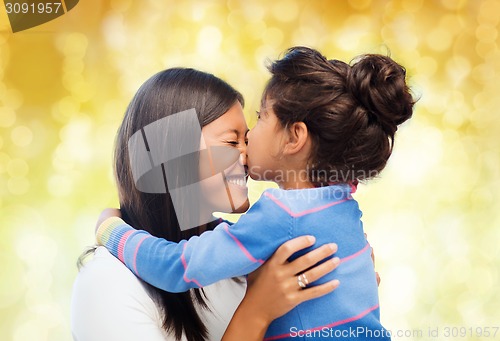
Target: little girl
{"x":323,"y":126}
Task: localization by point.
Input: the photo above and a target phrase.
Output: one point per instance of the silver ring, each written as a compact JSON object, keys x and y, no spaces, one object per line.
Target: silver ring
{"x":302,"y":281}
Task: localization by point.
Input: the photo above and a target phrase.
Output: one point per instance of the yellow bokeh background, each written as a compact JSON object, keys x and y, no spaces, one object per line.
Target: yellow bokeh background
{"x":432,"y":218}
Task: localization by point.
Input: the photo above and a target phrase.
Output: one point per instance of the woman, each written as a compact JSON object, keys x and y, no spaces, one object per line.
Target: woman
{"x":109,"y":303}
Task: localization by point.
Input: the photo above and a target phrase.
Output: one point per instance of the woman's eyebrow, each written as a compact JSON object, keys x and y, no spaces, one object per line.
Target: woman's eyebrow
{"x":227,"y":131}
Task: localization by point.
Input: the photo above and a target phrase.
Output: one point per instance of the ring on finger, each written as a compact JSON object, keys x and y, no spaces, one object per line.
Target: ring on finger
{"x":302,"y":281}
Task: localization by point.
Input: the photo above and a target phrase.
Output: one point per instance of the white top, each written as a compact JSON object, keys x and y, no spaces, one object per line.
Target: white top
{"x":110,"y":303}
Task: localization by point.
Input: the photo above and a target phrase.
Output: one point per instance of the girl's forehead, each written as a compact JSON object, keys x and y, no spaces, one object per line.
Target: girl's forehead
{"x":267,"y":102}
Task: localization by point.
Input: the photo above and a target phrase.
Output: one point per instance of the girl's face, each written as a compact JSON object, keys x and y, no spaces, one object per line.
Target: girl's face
{"x":264,"y":145}
{"x":225,"y":190}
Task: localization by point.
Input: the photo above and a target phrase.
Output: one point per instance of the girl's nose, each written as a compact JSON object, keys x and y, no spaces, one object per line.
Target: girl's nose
{"x":243,"y":157}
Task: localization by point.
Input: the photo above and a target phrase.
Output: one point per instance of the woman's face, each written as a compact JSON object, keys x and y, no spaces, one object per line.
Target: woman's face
{"x":225,"y":140}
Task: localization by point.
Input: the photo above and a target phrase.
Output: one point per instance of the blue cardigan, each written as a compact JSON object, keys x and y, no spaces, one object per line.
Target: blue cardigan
{"x":351,"y":312}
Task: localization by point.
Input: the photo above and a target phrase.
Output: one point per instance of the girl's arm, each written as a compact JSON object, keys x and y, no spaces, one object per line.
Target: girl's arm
{"x":225,"y":252}
{"x":273,"y":290}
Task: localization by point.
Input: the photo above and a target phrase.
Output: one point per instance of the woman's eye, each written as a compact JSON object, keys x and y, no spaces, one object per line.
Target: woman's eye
{"x":258,"y":114}
{"x":233,"y":143}
{"x":246,"y":142}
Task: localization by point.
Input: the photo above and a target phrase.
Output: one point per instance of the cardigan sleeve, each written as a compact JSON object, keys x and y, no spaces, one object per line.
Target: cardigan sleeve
{"x":227,"y":251}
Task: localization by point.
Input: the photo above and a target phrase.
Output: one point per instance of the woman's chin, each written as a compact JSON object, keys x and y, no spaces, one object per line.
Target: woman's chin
{"x":243,"y":208}
{"x":238,"y":203}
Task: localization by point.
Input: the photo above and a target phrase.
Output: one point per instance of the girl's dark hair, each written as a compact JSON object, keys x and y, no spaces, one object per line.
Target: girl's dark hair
{"x":351,"y":111}
{"x":169,"y":92}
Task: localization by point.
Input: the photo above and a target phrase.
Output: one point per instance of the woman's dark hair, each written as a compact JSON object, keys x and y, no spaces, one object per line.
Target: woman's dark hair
{"x":166,"y":93}
{"x":351,"y":111}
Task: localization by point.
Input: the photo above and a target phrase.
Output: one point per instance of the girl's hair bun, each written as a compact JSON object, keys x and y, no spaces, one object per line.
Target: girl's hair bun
{"x":378,"y":83}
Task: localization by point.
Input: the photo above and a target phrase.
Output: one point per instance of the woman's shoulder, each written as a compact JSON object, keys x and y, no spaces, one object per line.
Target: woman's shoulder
{"x":105,"y":277}
{"x":110,"y":303}
{"x":106,"y":273}
{"x":101,"y":259}
{"x":108,"y":299}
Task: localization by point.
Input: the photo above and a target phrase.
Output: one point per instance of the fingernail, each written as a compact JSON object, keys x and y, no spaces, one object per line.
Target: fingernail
{"x":336,"y":260}
{"x":311,"y":239}
{"x":335,"y":282}
{"x":333,"y":246}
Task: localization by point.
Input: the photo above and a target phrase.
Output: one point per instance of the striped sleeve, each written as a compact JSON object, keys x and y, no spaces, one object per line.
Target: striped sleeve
{"x":110,"y":232}
{"x":227,"y":251}
{"x":114,"y":233}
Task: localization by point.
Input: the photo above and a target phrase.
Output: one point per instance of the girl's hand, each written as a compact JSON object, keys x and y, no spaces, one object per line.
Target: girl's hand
{"x":376,"y":273}
{"x":107,"y":213}
{"x":373,"y":259}
{"x":273,"y":289}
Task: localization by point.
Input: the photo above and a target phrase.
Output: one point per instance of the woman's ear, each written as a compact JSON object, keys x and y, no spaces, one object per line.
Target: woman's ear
{"x":297,"y":138}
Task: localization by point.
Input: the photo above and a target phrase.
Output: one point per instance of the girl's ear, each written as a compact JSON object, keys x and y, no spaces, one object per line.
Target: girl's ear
{"x":297,"y":137}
